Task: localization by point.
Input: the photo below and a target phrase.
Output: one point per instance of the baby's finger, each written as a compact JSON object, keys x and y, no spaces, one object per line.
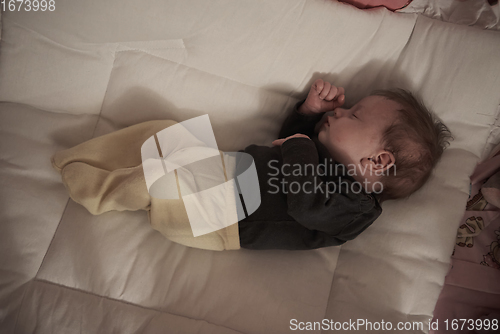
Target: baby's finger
{"x":325,"y":91}
{"x":341,"y":94}
{"x":332,"y":94}
{"x":339,"y":102}
{"x":278,"y":142}
{"x":341,"y":91}
{"x":297,"y":135}
{"x":318,"y":85}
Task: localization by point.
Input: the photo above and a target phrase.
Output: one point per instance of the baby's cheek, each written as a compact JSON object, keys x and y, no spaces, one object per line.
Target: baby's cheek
{"x":335,"y":138}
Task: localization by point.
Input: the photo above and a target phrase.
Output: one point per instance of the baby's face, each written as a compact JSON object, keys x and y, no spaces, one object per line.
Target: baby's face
{"x":351,"y":135}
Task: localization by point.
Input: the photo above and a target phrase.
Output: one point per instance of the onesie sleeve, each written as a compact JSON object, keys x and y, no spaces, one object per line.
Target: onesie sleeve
{"x":299,"y":123}
{"x":338,"y":207}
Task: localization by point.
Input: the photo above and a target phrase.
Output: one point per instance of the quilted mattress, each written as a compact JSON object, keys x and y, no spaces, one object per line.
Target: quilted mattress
{"x":91,"y":67}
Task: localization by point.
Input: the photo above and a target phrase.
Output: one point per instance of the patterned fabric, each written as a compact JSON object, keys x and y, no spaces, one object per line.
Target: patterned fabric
{"x":472,"y":289}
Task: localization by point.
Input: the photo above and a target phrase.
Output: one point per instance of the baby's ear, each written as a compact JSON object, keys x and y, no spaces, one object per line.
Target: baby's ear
{"x":382,"y":162}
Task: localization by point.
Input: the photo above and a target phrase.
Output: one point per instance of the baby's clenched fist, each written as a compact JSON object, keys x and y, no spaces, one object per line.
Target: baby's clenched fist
{"x":322,"y":97}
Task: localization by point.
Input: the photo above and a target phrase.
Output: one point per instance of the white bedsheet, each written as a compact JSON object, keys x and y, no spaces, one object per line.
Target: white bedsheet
{"x":92,"y":67}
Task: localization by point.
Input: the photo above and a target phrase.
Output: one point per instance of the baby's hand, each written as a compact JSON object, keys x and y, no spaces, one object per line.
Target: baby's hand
{"x":322,"y":97}
{"x":279,"y":142}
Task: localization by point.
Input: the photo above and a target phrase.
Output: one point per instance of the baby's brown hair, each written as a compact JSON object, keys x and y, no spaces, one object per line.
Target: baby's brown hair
{"x":417,"y":140}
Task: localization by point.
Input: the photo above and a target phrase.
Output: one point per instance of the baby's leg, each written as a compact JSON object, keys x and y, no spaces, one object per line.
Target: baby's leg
{"x":119,"y":149}
{"x":99,"y":190}
{"x":169,"y":217}
{"x":105,"y":173}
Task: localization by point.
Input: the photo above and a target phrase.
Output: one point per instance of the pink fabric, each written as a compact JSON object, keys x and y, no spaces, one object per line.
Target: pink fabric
{"x":472,"y":287}
{"x":389,"y":4}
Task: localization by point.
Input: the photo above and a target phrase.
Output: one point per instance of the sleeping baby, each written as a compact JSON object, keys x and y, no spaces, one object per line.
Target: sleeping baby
{"x":321,"y":184}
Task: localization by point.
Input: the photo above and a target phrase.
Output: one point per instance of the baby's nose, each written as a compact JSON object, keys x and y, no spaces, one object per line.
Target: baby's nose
{"x":338,"y":112}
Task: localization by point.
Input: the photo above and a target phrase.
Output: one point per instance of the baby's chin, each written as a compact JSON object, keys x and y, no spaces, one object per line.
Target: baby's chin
{"x":322,"y":137}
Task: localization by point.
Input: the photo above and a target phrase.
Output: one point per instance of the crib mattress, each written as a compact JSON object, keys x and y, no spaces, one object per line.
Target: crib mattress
{"x":89,"y":68}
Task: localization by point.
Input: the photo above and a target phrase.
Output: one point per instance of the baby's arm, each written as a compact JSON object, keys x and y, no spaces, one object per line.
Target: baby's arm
{"x":341,"y":211}
{"x":322,"y":97}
